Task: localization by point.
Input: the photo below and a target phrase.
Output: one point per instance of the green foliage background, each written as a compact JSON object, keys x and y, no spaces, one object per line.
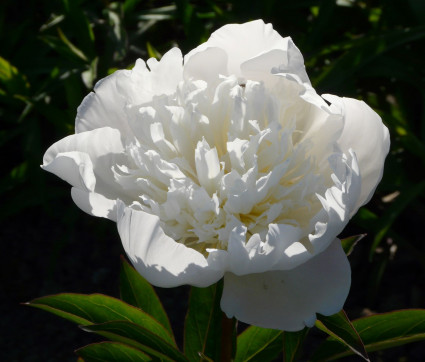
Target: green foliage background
{"x":53,"y":52}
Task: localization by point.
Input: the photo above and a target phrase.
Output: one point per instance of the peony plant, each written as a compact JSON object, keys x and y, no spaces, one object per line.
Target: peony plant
{"x":225,"y":164}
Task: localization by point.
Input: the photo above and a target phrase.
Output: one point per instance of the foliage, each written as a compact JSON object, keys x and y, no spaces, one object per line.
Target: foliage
{"x":135,"y":335}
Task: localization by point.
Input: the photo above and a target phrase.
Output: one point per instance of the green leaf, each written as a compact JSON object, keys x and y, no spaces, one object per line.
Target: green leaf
{"x":71,"y":46}
{"x":203,"y":323}
{"x":363,"y":52}
{"x":135,"y":290}
{"x":378,"y":332}
{"x":349,"y":243}
{"x":292,"y":343}
{"x":152,"y":52}
{"x":14,"y":82}
{"x":394,"y":210}
{"x":258,"y":344}
{"x":129,"y":5}
{"x":137,"y":336}
{"x":98,"y":308}
{"x":112,"y":352}
{"x":340,"y":327}
{"x":63,"y":49}
{"x":81,"y":27}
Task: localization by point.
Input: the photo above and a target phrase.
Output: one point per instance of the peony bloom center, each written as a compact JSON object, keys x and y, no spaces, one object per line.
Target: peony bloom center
{"x":208,"y":159}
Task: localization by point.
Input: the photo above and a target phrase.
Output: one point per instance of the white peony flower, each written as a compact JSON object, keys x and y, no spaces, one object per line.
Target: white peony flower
{"x":228,"y":163}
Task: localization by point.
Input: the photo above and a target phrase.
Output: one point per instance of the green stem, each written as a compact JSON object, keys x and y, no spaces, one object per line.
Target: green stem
{"x":227,"y":338}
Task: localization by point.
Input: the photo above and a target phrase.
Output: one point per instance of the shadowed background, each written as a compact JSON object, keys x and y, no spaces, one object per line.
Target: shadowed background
{"x":53,"y":52}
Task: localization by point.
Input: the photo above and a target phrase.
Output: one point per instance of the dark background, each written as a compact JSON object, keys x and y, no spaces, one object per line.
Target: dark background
{"x":52,"y":52}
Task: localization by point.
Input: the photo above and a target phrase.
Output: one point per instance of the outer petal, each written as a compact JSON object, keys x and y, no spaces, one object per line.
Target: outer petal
{"x":105,"y":107}
{"x":242,"y":42}
{"x":289,"y":300}
{"x":365,"y":133}
{"x":288,"y":60}
{"x":94,"y":204}
{"x":161,"y":260}
{"x":206,"y":65}
{"x":74,"y":167}
{"x":85,"y":160}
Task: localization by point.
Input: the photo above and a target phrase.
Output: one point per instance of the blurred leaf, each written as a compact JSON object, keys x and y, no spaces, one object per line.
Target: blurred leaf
{"x":363,"y":52}
{"x":323,"y":16}
{"x":14,"y":82}
{"x":90,"y":75}
{"x":379,"y":332}
{"x":111,"y":352}
{"x":129,"y":5}
{"x":203,"y":323}
{"x":386,"y":66}
{"x":58,"y":118}
{"x":16,"y":176}
{"x":292,"y":344}
{"x":65,"y":52}
{"x":412,"y":144}
{"x":340,"y":327}
{"x":137,"y":336}
{"x":161,"y":13}
{"x":71,"y":46}
{"x":52,"y":22}
{"x":349,"y":243}
{"x":418,"y":9}
{"x":79,"y":24}
{"x":152,"y":52}
{"x":366,"y":218}
{"x":74,"y":90}
{"x":98,"y":308}
{"x":135,"y":290}
{"x":258,"y":344}
{"x":185,"y":12}
{"x":117,"y":33}
{"x":375,"y":15}
{"x":394,"y":210}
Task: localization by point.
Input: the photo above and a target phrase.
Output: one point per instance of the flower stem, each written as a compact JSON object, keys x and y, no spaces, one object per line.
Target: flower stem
{"x":228,"y":338}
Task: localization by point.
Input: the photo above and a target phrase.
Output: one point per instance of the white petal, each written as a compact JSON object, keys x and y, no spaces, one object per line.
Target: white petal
{"x":338,"y":201}
{"x":207,"y":166}
{"x":94,"y":203}
{"x":242,"y":42}
{"x":85,"y":160}
{"x":206,"y":65}
{"x":289,"y":300}
{"x":167,"y":73}
{"x":74,"y":167}
{"x":96,"y":143}
{"x":161,"y":260}
{"x":365,"y":133}
{"x":104,"y":107}
{"x":280,"y":247}
{"x":286,"y":60}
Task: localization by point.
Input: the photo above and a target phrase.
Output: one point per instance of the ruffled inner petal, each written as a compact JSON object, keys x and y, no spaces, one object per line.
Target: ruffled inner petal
{"x":161,"y":260}
{"x":371,"y":151}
